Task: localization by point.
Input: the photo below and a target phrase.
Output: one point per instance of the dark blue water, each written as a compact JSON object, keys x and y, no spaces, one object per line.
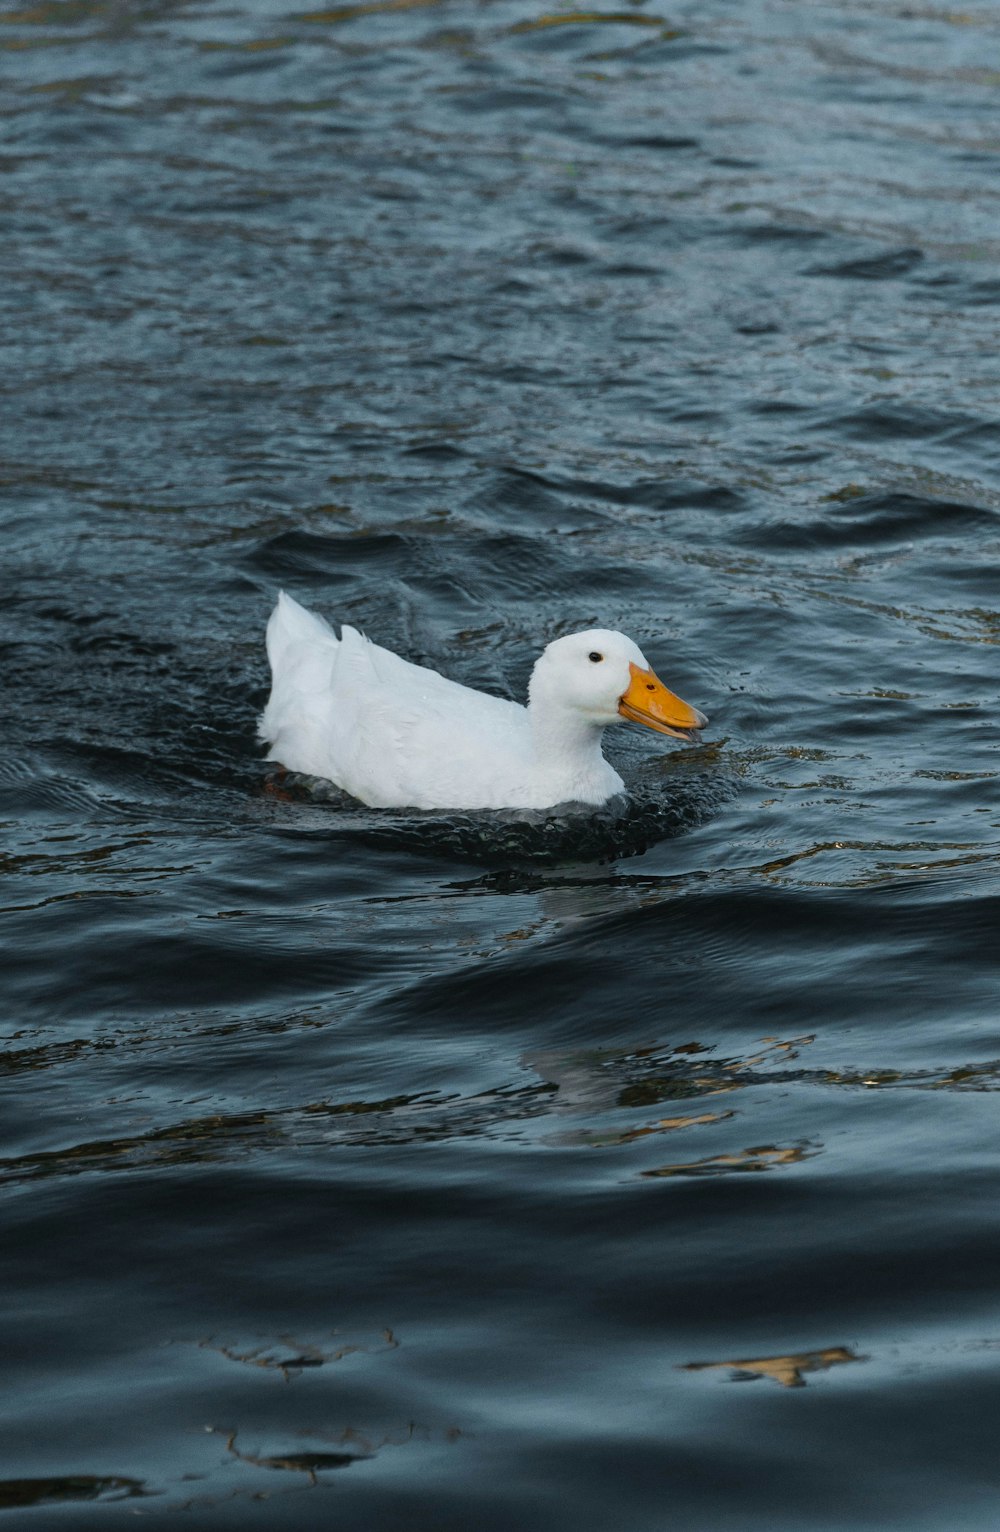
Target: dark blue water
{"x":377,"y":1171}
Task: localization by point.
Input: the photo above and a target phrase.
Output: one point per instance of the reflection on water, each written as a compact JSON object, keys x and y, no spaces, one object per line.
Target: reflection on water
{"x":602,"y":1088}
{"x":766,"y":1157}
{"x":304,"y":1354}
{"x":18,"y":1494}
{"x":308,"y":1463}
{"x":786,"y":1370}
{"x":596,"y":1140}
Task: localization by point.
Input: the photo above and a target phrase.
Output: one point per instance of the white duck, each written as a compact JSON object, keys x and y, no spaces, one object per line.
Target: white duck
{"x":398,"y":735}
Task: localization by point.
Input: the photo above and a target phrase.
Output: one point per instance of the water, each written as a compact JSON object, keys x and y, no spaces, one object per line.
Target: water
{"x":377,"y":1171}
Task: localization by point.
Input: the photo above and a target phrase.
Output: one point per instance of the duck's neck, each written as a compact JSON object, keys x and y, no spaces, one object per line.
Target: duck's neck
{"x":567,"y":746}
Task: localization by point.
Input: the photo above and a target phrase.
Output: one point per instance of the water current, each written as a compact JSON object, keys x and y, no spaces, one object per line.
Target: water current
{"x":458,"y":1173}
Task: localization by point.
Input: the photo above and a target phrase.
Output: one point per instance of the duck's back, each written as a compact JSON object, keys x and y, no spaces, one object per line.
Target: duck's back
{"x":388,"y":732}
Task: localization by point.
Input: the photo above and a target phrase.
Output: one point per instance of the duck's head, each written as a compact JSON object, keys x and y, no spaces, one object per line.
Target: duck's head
{"x":604,"y":677}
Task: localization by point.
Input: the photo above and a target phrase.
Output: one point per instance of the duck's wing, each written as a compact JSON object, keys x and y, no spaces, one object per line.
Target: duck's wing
{"x":417,"y":738}
{"x":389,"y":732}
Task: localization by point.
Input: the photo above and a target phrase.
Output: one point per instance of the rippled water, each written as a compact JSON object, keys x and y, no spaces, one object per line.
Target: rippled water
{"x":374,"y":1170}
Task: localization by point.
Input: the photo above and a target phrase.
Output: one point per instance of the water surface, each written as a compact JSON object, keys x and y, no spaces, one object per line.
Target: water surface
{"x":384,"y":1171}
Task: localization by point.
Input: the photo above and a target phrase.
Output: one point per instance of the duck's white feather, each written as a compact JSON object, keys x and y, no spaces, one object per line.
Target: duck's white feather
{"x":394,"y":734}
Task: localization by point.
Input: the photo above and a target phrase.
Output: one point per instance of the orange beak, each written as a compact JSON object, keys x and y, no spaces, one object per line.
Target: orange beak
{"x":648,"y":701}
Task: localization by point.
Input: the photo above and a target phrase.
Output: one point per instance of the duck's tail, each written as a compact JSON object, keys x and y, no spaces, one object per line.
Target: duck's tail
{"x":302,"y":650}
{"x":290,"y":624}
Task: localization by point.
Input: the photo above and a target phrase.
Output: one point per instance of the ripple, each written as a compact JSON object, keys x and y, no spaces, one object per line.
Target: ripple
{"x":867,"y":519}
{"x":625,"y":827}
{"x":885,"y":266}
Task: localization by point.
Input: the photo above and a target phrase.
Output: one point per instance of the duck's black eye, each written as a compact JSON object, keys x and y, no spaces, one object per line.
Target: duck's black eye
{"x":595,"y":657}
